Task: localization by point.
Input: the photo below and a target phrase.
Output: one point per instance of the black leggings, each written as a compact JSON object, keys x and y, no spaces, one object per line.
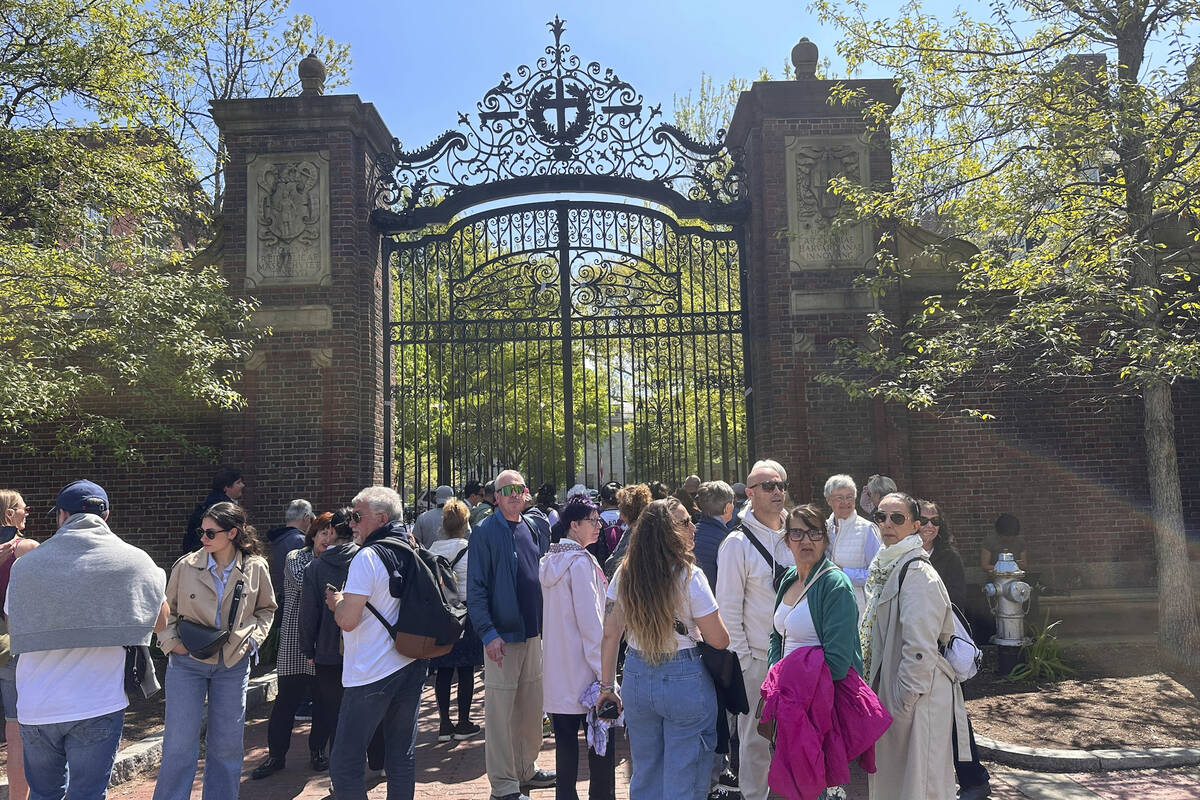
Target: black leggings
{"x":601,"y":769}
{"x":466,"y":693}
{"x":329,"y":690}
{"x":292,"y":691}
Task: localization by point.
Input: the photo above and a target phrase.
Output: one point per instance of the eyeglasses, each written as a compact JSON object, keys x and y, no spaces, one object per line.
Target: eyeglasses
{"x":770,"y":486}
{"x":354,"y":516}
{"x":511,"y":489}
{"x":896,"y":517}
{"x":841,"y":498}
{"x":594,"y":520}
{"x":683,"y":523}
{"x":799,"y":534}
{"x":211,"y":533}
{"x":934,"y":521}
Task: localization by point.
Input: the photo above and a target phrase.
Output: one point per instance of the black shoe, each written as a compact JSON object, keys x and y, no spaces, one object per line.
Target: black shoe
{"x":465,"y":730}
{"x":727,"y":779}
{"x":720,"y":792}
{"x":541,"y":779}
{"x":268,"y":767}
{"x":319,"y":762}
{"x":976,"y":792}
{"x":445,"y":732}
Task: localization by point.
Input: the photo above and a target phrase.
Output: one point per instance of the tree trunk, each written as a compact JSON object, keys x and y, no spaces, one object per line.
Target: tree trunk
{"x":1178,"y":628}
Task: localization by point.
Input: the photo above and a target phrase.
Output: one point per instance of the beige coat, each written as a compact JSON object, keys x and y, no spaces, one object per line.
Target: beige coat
{"x":191,"y":594}
{"x":916,"y":685}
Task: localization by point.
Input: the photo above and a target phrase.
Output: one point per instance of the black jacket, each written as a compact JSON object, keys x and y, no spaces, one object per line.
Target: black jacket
{"x":320,"y":637}
{"x":284,"y":540}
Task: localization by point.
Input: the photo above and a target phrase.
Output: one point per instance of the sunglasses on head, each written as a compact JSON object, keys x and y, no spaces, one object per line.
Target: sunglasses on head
{"x":211,"y":533}
{"x":800,"y":534}
{"x":770,"y":486}
{"x":934,"y":521}
{"x":896,"y":517}
{"x":511,"y":489}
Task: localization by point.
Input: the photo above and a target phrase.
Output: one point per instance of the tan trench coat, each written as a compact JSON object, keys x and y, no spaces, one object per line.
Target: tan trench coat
{"x":915,"y":683}
{"x":191,"y":594}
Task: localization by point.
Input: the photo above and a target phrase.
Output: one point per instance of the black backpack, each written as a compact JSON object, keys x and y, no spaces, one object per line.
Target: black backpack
{"x":431,"y":617}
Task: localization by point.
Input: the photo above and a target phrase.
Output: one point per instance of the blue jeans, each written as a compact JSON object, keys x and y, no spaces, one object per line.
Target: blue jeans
{"x":85,"y":747}
{"x":671,"y":717}
{"x":188,"y":683}
{"x":391,"y":704}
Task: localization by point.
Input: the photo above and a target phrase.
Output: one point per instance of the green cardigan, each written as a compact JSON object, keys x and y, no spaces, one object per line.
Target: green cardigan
{"x":835,"y":616}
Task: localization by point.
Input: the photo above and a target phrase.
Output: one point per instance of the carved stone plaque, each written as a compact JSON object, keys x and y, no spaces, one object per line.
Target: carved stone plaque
{"x":287,"y":220}
{"x":814,"y":241}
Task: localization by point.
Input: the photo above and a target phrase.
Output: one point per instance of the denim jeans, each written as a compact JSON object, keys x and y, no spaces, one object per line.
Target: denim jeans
{"x":671,"y":717}
{"x":86,"y":748}
{"x":188,"y":683}
{"x":392,"y":704}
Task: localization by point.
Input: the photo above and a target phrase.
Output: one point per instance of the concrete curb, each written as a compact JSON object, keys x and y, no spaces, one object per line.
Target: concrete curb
{"x":1050,"y":760}
{"x":146,"y":754}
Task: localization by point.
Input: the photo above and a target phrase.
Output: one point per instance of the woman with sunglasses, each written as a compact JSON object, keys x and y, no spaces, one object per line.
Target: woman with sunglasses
{"x":661,"y":601}
{"x":13,"y":514}
{"x":974,"y":782}
{"x":908,"y":614}
{"x":203,"y":588}
{"x":573,"y":587}
{"x":815,"y":634}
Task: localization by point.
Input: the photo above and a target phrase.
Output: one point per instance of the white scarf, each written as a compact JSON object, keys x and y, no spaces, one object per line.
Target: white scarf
{"x":877,"y":575}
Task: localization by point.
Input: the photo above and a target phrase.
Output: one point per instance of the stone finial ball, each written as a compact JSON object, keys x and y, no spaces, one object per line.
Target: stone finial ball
{"x":804,"y":58}
{"x":312,"y":75}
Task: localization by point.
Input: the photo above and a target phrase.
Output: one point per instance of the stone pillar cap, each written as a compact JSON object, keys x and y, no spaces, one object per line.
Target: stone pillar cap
{"x":804,"y":59}
{"x":312,"y":75}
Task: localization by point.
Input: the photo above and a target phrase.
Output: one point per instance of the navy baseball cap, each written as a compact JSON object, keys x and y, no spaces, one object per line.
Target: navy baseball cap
{"x":82,"y":497}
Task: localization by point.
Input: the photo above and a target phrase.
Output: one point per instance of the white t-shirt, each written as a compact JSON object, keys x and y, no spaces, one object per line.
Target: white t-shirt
{"x":369,"y":653}
{"x":795,"y":624}
{"x":69,"y":685}
{"x":698,"y":601}
{"x":449,"y":549}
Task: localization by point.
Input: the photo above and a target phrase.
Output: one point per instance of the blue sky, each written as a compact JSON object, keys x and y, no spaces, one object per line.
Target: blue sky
{"x":422,"y":62}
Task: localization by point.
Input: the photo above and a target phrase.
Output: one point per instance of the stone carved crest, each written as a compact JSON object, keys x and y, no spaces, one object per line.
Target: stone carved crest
{"x":812,"y":207}
{"x":288,"y":209}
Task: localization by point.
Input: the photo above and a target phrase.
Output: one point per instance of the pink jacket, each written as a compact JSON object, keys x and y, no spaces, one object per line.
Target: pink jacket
{"x":573,"y":588}
{"x":822,"y":725}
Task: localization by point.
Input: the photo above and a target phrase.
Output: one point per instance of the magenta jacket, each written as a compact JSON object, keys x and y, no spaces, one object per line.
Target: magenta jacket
{"x":823,"y":724}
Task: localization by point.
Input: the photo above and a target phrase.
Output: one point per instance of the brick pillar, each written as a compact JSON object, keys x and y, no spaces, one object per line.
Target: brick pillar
{"x":800,"y":272}
{"x":297,"y":239}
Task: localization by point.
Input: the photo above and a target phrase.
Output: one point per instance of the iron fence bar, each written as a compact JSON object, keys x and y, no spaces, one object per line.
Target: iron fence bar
{"x":564,"y":288}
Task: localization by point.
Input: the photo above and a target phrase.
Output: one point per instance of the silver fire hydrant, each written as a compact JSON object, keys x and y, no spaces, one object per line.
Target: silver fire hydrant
{"x":1008,"y":596}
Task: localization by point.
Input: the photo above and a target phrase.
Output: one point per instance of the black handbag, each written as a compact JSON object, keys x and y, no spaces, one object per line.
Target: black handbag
{"x":203,"y":641}
{"x":140,"y":680}
{"x":725,"y":669}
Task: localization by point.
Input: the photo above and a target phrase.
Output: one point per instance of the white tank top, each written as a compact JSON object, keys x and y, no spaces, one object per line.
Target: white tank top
{"x":795,"y":624}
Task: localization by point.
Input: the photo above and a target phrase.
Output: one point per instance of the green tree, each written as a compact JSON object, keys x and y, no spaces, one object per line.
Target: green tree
{"x":108,"y":313}
{"x":1061,"y":140}
{"x":235,"y":49}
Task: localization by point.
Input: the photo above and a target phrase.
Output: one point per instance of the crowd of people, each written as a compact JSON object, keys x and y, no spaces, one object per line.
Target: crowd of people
{"x":622,"y":607}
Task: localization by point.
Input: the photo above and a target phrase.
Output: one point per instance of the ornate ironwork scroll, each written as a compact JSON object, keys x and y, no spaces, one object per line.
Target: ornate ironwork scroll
{"x":556,"y":125}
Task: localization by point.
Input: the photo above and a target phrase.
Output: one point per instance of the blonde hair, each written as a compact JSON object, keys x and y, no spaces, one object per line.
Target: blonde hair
{"x":454,"y":519}
{"x":9,"y":499}
{"x":651,"y":587}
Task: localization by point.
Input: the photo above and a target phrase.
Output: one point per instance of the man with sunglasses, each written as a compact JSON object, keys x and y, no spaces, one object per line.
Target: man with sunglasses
{"x":750,"y":565}
{"x":504,"y":601}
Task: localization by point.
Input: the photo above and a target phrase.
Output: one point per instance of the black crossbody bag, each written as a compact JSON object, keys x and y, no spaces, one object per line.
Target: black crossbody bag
{"x":203,"y":641}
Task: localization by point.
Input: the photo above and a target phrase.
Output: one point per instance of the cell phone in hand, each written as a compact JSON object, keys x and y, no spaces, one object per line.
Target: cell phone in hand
{"x":329,"y":587}
{"x":608,"y":710}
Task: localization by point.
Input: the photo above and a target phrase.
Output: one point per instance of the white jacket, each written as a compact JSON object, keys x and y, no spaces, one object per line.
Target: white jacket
{"x":745,"y":589}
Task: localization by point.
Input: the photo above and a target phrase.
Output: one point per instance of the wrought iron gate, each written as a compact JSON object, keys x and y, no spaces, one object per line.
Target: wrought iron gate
{"x":571,"y":338}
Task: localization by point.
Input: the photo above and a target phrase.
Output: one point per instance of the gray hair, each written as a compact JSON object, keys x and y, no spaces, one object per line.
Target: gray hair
{"x":767,"y":463}
{"x":298,"y":510}
{"x":713,"y":496}
{"x":381,"y":500}
{"x":836,"y":482}
{"x":880,"y":485}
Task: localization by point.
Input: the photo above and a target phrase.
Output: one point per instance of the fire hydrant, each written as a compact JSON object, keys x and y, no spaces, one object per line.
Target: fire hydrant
{"x":1008,"y":596}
